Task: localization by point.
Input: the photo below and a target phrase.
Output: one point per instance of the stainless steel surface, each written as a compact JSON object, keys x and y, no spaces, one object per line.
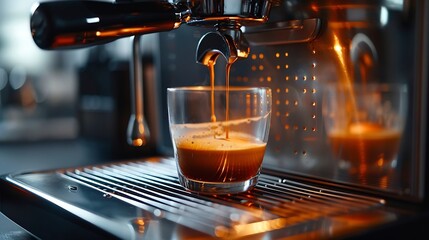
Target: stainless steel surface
{"x":276,"y":203}
{"x":213,"y":12}
{"x":133,"y":196}
{"x":138,"y":130}
{"x":293,"y":31}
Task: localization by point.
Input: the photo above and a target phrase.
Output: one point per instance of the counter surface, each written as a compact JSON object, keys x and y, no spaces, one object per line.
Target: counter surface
{"x":34,"y":156}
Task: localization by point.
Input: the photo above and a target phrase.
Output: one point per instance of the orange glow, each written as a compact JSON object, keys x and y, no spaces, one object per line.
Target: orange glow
{"x":339,"y":50}
{"x":380,"y":161}
{"x":253,"y":228}
{"x":138,"y":142}
{"x":64,"y":40}
{"x":359,"y":128}
{"x":140,"y":225}
{"x":124,"y":31}
{"x":346,"y":80}
{"x":314,"y":7}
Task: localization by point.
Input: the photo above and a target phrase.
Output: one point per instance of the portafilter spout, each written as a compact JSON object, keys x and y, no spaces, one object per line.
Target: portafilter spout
{"x":227,"y":41}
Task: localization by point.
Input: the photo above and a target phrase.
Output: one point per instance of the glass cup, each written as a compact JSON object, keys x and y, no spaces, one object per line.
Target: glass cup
{"x":219,"y":136}
{"x":364,"y":124}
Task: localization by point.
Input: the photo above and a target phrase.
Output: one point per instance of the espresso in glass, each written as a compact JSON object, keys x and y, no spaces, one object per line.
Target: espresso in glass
{"x":368,"y":148}
{"x":220,"y":160}
{"x":364,"y":124}
{"x":222,"y":156}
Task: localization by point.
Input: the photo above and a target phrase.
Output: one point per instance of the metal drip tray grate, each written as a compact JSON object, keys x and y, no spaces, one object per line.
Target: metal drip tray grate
{"x":275,"y":203}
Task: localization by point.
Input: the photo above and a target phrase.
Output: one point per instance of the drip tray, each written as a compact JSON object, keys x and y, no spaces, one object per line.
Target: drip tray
{"x":138,"y":199}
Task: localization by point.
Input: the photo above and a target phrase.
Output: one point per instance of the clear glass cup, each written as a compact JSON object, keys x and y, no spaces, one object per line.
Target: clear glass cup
{"x":364,"y":125}
{"x":219,"y":136}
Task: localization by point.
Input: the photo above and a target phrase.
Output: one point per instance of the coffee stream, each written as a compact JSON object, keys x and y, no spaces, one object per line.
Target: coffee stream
{"x":212,"y":84}
{"x":228,"y":70}
{"x":212,"y":98}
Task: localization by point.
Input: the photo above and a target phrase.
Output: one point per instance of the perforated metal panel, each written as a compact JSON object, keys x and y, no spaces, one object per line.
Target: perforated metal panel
{"x":292,"y":72}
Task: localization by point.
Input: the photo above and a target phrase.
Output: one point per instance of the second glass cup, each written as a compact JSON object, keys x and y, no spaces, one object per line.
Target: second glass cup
{"x":219,"y":136}
{"x":364,"y":124}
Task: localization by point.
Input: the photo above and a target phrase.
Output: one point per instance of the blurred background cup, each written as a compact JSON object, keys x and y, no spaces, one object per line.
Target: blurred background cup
{"x":364,"y":124}
{"x":219,"y":136}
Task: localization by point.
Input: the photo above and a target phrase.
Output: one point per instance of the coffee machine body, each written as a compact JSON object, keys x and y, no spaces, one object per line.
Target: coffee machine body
{"x":369,"y":42}
{"x":299,"y":50}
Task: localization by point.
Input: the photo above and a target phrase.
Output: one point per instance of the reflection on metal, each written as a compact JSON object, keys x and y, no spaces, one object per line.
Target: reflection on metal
{"x":364,"y":58}
{"x":138,"y":131}
{"x":294,"y":31}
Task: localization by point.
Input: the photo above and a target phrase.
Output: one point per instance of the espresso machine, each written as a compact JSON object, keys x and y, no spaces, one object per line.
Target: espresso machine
{"x":296,"y":48}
